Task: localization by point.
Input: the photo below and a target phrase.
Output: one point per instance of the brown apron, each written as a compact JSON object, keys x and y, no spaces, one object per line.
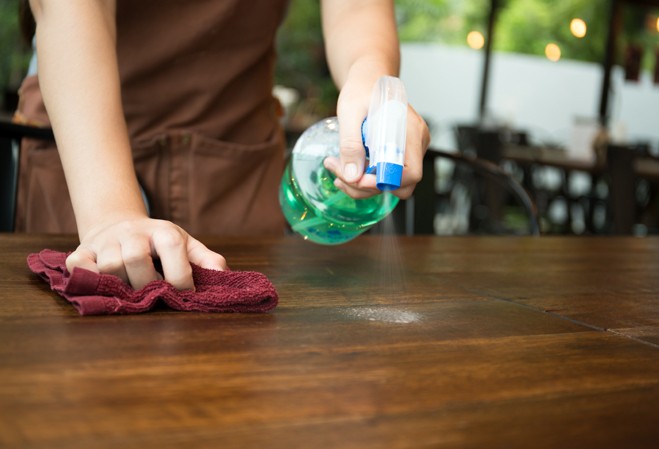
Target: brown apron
{"x":208,"y":150}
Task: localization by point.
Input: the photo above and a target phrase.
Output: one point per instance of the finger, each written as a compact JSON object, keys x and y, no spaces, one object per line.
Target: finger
{"x":82,"y":257}
{"x":369,"y":190}
{"x":170,"y":245}
{"x":353,"y":153}
{"x":416,"y":143}
{"x":412,"y":174}
{"x":365,"y":188}
{"x":205,"y":258}
{"x":404,"y":192}
{"x":138,"y":262}
{"x":367,"y":183}
{"x":110,"y":261}
{"x":334,"y":165}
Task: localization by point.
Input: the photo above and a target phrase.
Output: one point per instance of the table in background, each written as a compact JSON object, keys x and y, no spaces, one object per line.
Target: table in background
{"x":380,"y":343}
{"x":620,"y":177}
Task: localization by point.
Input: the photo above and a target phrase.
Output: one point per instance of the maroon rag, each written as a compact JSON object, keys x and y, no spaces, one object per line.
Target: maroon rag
{"x":102,"y":294}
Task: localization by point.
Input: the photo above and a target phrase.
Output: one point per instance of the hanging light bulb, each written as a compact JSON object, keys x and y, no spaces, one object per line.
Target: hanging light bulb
{"x":475,"y":40}
{"x":553,"y":52}
{"x":658,"y":24}
{"x":578,"y":27}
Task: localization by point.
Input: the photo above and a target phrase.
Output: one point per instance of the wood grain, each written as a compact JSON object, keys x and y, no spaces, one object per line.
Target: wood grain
{"x":380,"y":343}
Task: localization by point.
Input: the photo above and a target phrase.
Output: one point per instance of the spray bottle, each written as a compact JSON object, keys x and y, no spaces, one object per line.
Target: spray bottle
{"x":310,"y":201}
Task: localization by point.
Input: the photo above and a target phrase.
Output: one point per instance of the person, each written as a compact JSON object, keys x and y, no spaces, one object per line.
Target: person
{"x":172,"y":100}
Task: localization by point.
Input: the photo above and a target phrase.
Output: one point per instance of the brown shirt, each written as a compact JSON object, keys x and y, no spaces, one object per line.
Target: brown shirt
{"x":196,"y":82}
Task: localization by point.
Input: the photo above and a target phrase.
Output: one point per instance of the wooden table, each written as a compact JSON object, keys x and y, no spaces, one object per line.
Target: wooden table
{"x":384,"y":342}
{"x":645,"y":166}
{"x":620,"y":176}
{"x":548,"y":156}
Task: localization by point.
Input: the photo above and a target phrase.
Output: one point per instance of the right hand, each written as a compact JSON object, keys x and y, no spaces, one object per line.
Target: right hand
{"x":127,"y":248}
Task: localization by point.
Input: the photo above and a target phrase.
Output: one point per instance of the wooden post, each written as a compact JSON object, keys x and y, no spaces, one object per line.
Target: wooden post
{"x":609,"y":59}
{"x":494,"y":6}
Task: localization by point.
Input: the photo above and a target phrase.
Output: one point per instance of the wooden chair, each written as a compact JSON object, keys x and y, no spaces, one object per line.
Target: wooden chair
{"x":633,"y":198}
{"x":465,"y":205}
{"x":10,"y":137}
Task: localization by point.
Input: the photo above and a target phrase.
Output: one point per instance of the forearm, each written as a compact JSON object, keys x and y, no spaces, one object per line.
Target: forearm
{"x":360,"y":39}
{"x":79,"y":78}
{"x":362,"y":45}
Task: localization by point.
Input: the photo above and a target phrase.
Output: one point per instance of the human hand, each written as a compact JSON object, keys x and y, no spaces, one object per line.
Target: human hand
{"x":127,"y":247}
{"x":349,"y":168}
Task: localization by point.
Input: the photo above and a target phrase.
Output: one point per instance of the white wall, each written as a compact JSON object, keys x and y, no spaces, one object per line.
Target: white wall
{"x":526,"y":92}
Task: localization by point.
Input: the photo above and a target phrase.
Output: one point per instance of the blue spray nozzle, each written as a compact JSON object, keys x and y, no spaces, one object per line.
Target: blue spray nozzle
{"x":388,"y":176}
{"x":384,"y":131}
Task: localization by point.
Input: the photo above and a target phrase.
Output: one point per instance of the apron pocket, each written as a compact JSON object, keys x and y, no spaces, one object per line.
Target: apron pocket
{"x":234,"y":187}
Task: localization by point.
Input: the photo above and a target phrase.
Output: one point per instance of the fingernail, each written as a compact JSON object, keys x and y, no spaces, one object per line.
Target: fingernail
{"x":350,"y":171}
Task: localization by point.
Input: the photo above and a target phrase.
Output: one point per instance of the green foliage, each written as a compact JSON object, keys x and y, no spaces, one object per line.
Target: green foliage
{"x":522,"y":26}
{"x":640,"y":29}
{"x":527,"y":26}
{"x":14,"y":57}
{"x":446,"y":21}
{"x":425,"y":20}
{"x":476,"y":13}
{"x":301,"y":60}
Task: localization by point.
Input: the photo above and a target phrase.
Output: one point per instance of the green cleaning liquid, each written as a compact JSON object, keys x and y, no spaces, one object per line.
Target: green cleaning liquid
{"x":311,"y":203}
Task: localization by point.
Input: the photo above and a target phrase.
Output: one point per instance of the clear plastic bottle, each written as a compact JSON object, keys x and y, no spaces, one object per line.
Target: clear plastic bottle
{"x":311,"y":203}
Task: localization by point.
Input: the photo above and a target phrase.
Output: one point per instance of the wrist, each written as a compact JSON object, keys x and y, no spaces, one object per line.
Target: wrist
{"x":366,"y":69}
{"x":362,"y":76}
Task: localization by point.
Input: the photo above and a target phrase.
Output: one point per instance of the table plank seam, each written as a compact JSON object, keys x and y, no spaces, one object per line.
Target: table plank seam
{"x":571,"y":320}
{"x":631,"y":337}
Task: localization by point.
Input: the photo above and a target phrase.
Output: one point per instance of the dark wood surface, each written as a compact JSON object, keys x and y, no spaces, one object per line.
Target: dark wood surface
{"x":548,"y":156}
{"x":644,"y":166}
{"x":383,"y":342}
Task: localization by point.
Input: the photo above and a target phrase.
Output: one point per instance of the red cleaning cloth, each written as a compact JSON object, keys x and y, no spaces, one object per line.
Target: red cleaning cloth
{"x":102,"y":294}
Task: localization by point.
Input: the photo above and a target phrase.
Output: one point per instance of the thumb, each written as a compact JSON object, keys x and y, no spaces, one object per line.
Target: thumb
{"x":353,"y":154}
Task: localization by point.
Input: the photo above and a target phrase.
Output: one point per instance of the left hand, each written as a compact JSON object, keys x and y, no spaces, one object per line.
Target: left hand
{"x":352,"y":108}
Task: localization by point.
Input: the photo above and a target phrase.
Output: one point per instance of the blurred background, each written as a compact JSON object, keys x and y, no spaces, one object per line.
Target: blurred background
{"x":560,"y":94}
{"x":544,"y":88}
{"x":545,"y":74}
{"x":14,"y":55}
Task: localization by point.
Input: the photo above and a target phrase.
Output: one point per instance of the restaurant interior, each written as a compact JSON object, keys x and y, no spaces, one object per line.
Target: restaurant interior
{"x":510,"y":302}
{"x":561,"y":99}
{"x":542,"y":119}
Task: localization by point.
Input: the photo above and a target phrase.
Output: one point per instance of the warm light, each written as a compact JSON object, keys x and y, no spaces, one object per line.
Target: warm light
{"x":475,"y":40}
{"x":578,"y":28}
{"x":657,"y":23}
{"x":553,"y":52}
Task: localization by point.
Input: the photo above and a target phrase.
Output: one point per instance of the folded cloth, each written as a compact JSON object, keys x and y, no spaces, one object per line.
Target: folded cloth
{"x":101,"y":294}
